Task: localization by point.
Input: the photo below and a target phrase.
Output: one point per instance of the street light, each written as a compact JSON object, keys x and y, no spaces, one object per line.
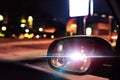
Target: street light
{"x":40,"y":29}
{"x":52,"y":36}
{"x":103,"y":15}
{"x":44,"y":35}
{"x":37,"y":36}
{"x":23,"y":20}
{"x":1,"y":18}
{"x":22,"y":25}
{"x":110,"y":16}
{"x":30,"y":21}
{"x":27,"y":30}
{"x":4,"y":28}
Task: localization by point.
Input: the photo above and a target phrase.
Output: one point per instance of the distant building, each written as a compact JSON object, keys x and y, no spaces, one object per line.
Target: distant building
{"x":101,"y":26}
{"x":102,"y":30}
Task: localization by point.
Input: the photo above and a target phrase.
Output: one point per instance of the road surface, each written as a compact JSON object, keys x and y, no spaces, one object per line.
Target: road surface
{"x":12,"y":49}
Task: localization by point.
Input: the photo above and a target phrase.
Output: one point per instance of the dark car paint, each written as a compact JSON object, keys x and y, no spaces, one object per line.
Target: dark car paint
{"x":17,"y":71}
{"x":115,"y":73}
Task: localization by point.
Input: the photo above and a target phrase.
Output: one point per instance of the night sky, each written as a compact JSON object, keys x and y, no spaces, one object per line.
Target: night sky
{"x":59,"y":9}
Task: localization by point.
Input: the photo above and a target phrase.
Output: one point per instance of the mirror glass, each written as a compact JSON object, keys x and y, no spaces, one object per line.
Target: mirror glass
{"x":76,"y":54}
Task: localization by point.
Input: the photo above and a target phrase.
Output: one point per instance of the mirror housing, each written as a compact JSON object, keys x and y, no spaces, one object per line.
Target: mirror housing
{"x":81,"y":55}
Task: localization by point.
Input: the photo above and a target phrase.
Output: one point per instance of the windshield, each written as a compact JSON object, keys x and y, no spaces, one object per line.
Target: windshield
{"x":28,"y":27}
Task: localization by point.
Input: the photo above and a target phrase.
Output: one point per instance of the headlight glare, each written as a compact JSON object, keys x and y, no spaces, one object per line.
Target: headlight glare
{"x":78,"y":56}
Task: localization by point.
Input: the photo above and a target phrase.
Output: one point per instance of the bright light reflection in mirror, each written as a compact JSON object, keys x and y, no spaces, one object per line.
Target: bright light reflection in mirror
{"x":77,"y":56}
{"x":60,"y":48}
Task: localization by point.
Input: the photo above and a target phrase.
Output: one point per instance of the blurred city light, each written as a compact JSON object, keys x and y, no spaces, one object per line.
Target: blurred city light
{"x":117,"y":25}
{"x":91,"y":7}
{"x":22,"y":25}
{"x":52,"y":36}
{"x":50,"y":30}
{"x":1,"y":18}
{"x":4,"y":28}
{"x":60,"y":48}
{"x":31,"y":35}
{"x":95,"y":14}
{"x":21,"y":36}
{"x":103,"y":15}
{"x":37,"y":36}
{"x":26,"y":35}
{"x":78,"y":8}
{"x":114,"y":35}
{"x":40,"y":29}
{"x":71,"y":33}
{"x":110,"y":17}
{"x":74,"y":25}
{"x":30,"y":21}
{"x":27,"y":30}
{"x":71,"y":26}
{"x":44,"y":35}
{"x":23,"y":20}
{"x":89,"y":31}
{"x":2,"y":35}
{"x":14,"y":36}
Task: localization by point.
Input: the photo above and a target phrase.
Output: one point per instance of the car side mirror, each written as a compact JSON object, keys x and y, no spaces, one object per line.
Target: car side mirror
{"x":81,"y":55}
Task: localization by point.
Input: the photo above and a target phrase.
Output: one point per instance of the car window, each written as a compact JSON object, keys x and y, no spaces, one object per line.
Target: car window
{"x":27,"y":27}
